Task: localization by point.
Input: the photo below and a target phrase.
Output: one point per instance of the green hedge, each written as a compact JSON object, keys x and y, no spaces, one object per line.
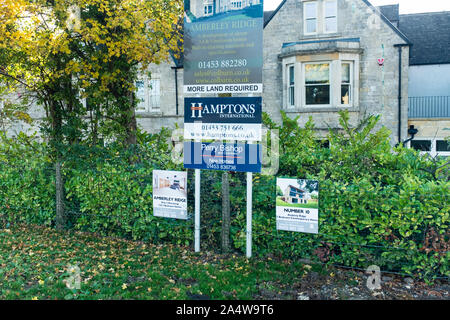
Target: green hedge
{"x":377,"y":205}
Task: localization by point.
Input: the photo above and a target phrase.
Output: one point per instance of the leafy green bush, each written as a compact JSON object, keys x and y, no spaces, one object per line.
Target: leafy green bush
{"x":26,"y":181}
{"x":377,"y":205}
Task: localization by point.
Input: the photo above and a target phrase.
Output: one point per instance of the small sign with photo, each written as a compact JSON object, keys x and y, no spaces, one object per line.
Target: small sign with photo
{"x":297,"y":205}
{"x":170,"y":194}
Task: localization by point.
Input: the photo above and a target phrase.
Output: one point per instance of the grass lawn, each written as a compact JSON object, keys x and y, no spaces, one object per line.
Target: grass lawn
{"x":34,"y":263}
{"x":303,"y":205}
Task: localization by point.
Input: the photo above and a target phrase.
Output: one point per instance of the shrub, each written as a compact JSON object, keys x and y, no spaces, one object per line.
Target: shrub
{"x":377,"y":205}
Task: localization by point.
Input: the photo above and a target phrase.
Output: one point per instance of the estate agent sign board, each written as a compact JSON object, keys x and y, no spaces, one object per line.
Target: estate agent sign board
{"x":223,"y":46}
{"x":223,"y":118}
{"x":222,"y":156}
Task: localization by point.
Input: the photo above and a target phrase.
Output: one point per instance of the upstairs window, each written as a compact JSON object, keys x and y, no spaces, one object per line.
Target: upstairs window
{"x":320,"y":16}
{"x":310,"y":17}
{"x":330,"y":16}
{"x":208,"y":9}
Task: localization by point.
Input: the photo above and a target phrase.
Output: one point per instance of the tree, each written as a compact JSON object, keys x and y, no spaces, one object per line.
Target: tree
{"x":61,"y":51}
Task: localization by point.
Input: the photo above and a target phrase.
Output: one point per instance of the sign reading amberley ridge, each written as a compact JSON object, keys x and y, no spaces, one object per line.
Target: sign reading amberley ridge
{"x":223,"y":118}
{"x":170,"y":194}
{"x":223,"y":46}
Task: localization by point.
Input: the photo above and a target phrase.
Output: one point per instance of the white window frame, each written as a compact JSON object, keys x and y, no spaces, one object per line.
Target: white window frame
{"x":151,"y":99}
{"x":352,"y":81}
{"x":305,"y":18}
{"x":324,"y":17}
{"x":330,"y":79}
{"x":433,"y":148}
{"x":142,"y":104}
{"x":291,"y":99}
{"x":335,"y":78}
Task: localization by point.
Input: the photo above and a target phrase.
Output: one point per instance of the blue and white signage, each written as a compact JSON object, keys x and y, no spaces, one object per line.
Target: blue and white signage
{"x":234,"y":118}
{"x":297,"y":204}
{"x":223,"y":156}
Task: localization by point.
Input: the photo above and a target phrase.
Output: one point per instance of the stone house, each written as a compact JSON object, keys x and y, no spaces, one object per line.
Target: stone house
{"x":322,"y":56}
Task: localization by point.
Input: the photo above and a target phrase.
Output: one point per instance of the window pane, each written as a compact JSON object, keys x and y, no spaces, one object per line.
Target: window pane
{"x":317,"y":73}
{"x":421,"y":145}
{"x":443,"y":146}
{"x":291,"y":96}
{"x":140,"y":95}
{"x":345,"y":94}
{"x":330,"y":24}
{"x":345,"y":72}
{"x":155,"y":93}
{"x":330,"y":9}
{"x":311,"y":26}
{"x":317,"y":94}
{"x":310,"y":10}
{"x":291,"y":75}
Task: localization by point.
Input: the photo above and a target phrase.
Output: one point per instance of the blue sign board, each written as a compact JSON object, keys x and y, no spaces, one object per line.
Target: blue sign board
{"x":223,"y":46}
{"x":232,"y":118}
{"x":223,"y":156}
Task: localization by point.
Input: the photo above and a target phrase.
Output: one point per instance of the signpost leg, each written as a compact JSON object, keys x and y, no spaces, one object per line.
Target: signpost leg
{"x":197,"y":211}
{"x":249,"y":213}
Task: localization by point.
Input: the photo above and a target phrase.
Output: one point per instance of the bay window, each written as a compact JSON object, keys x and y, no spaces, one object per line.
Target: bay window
{"x":321,"y":84}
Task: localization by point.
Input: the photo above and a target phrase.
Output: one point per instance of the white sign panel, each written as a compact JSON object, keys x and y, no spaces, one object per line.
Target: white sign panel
{"x":170,"y":194}
{"x":297,"y":205}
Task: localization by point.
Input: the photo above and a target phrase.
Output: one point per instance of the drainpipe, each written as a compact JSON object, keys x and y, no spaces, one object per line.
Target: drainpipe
{"x":400,"y":62}
{"x":176,"y":89}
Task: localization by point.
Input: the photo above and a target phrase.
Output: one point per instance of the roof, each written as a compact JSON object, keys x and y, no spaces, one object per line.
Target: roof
{"x":299,"y":190}
{"x":391,"y":12}
{"x":268,"y":16}
{"x":429,"y":33}
{"x":388,"y":11}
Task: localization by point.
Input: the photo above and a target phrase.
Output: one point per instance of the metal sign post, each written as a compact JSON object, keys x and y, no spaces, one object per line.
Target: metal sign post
{"x":197,"y":210}
{"x":249,"y":213}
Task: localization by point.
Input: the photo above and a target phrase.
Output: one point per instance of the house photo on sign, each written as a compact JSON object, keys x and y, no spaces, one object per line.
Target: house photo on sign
{"x":170,"y":194}
{"x":297,"y":205}
{"x":223,"y":46}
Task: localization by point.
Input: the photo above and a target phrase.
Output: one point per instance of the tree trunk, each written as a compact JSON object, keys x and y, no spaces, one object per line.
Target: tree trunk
{"x":131,"y":129}
{"x":226,"y":219}
{"x":60,"y":215}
